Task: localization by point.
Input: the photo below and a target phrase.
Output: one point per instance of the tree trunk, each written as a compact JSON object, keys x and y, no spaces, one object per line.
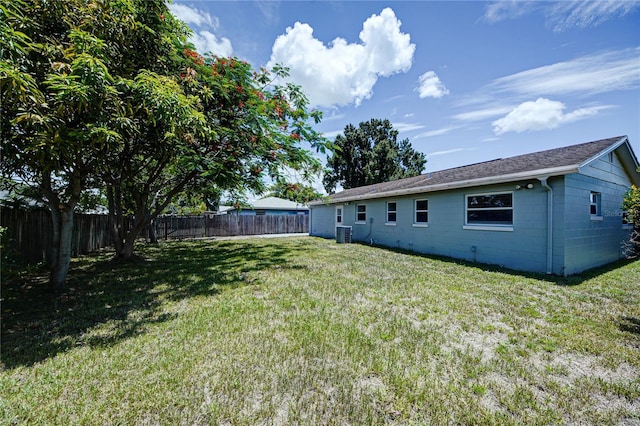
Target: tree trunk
{"x":115,"y":218}
{"x":61,"y":259}
{"x":153,"y":232}
{"x":62,"y":216}
{"x":126,"y":251}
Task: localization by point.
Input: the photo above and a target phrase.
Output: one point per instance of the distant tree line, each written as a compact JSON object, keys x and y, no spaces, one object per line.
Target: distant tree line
{"x":371,"y":153}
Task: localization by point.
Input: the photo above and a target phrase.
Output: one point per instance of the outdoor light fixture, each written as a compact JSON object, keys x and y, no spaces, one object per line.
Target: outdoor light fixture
{"x":527,"y":186}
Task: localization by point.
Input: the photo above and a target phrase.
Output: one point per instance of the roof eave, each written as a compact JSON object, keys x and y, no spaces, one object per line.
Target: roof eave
{"x":491,"y":180}
{"x":628,"y":159}
{"x":609,"y":149}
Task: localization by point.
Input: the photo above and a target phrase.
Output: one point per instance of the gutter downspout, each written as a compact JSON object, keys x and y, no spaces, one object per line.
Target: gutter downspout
{"x":546,"y":186}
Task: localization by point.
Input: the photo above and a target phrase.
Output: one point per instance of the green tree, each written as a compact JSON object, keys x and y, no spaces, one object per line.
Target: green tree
{"x":106,"y":93}
{"x":631,"y":207}
{"x":298,"y":192}
{"x":60,"y":101}
{"x":245,"y":129}
{"x":371,"y":154}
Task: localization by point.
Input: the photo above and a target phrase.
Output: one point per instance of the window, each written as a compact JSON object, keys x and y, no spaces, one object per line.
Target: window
{"x":339,"y":215}
{"x":422,"y":212}
{"x":490,"y":209}
{"x":392,"y":210}
{"x":361,"y":213}
{"x":594,"y":205}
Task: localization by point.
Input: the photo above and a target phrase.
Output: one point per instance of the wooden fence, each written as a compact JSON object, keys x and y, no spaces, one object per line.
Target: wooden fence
{"x":181,"y":227}
{"x":29,"y":231}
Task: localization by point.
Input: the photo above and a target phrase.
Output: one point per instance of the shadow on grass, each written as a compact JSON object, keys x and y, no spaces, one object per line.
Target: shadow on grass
{"x":630,"y":325}
{"x":569,"y":280}
{"x":109,"y":300}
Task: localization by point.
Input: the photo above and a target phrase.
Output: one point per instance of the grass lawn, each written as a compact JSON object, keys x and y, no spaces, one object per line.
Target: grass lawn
{"x":305,"y":331}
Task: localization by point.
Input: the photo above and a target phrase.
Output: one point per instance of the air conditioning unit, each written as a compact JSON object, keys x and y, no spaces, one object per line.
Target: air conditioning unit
{"x":343,"y":234}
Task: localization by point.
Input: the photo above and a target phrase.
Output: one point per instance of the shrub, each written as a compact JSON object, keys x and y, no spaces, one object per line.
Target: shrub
{"x":631,"y":207}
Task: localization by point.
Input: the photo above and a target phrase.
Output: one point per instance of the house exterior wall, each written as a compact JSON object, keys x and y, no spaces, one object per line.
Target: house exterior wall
{"x":523,"y":247}
{"x":580,"y":240}
{"x":594,"y":241}
{"x":322,"y":221}
{"x":557,"y":184}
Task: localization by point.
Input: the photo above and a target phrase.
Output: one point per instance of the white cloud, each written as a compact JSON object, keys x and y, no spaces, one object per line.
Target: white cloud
{"x":193,"y":16}
{"x":502,"y":10}
{"x":437,"y":132}
{"x":582,"y":77}
{"x":344,"y":73}
{"x":584,"y":14}
{"x":407,"y":127}
{"x":448,"y":151}
{"x":483,"y":114}
{"x":332,"y":134}
{"x":562,"y":15}
{"x":542,"y":114}
{"x":602,"y":72}
{"x":430,"y":86}
{"x":205,"y":41}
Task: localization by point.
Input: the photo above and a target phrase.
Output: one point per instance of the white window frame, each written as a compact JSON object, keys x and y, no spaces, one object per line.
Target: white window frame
{"x":417,"y":224}
{"x":339,"y":214}
{"x":507,"y":227}
{"x":595,"y":204}
{"x":394,"y":212}
{"x":358,"y":220}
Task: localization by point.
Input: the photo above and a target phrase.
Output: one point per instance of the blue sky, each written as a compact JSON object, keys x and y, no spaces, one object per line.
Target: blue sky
{"x":465,"y":82}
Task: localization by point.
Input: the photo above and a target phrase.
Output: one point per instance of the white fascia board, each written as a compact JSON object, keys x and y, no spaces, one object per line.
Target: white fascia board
{"x":534,"y":174}
{"x":628,"y":159}
{"x":612,"y":147}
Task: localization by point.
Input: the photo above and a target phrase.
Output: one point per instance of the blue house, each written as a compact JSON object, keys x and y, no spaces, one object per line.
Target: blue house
{"x":270,"y":206}
{"x":556,"y":211}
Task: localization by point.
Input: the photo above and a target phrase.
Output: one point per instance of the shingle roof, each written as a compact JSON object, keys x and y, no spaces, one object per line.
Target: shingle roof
{"x":275,"y":203}
{"x":550,"y":162}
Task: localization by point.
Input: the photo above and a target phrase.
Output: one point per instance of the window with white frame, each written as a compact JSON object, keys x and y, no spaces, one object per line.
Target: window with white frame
{"x":421,"y":212}
{"x":392,"y":211}
{"x":361,"y":212}
{"x":594,"y":204}
{"x":490,"y":209}
{"x":339,"y":215}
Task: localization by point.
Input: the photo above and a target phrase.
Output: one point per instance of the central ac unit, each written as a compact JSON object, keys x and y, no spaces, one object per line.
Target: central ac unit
{"x":343,"y":234}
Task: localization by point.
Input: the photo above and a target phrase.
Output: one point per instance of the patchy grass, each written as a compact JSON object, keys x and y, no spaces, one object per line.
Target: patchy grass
{"x":305,"y":331}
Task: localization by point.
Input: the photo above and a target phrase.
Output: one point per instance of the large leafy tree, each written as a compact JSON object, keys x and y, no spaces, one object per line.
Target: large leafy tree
{"x":60,"y":100}
{"x":371,"y":153}
{"x":104,"y":93}
{"x":245,"y":129}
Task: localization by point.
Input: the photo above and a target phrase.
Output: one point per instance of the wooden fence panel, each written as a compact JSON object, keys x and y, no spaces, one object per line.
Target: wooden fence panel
{"x":233,"y":224}
{"x":29,"y":233}
{"x":180,"y":227}
{"x":30,"y":230}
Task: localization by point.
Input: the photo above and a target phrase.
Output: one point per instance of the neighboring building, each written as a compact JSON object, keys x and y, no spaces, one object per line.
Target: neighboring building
{"x":271,"y":206}
{"x":556,"y":211}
